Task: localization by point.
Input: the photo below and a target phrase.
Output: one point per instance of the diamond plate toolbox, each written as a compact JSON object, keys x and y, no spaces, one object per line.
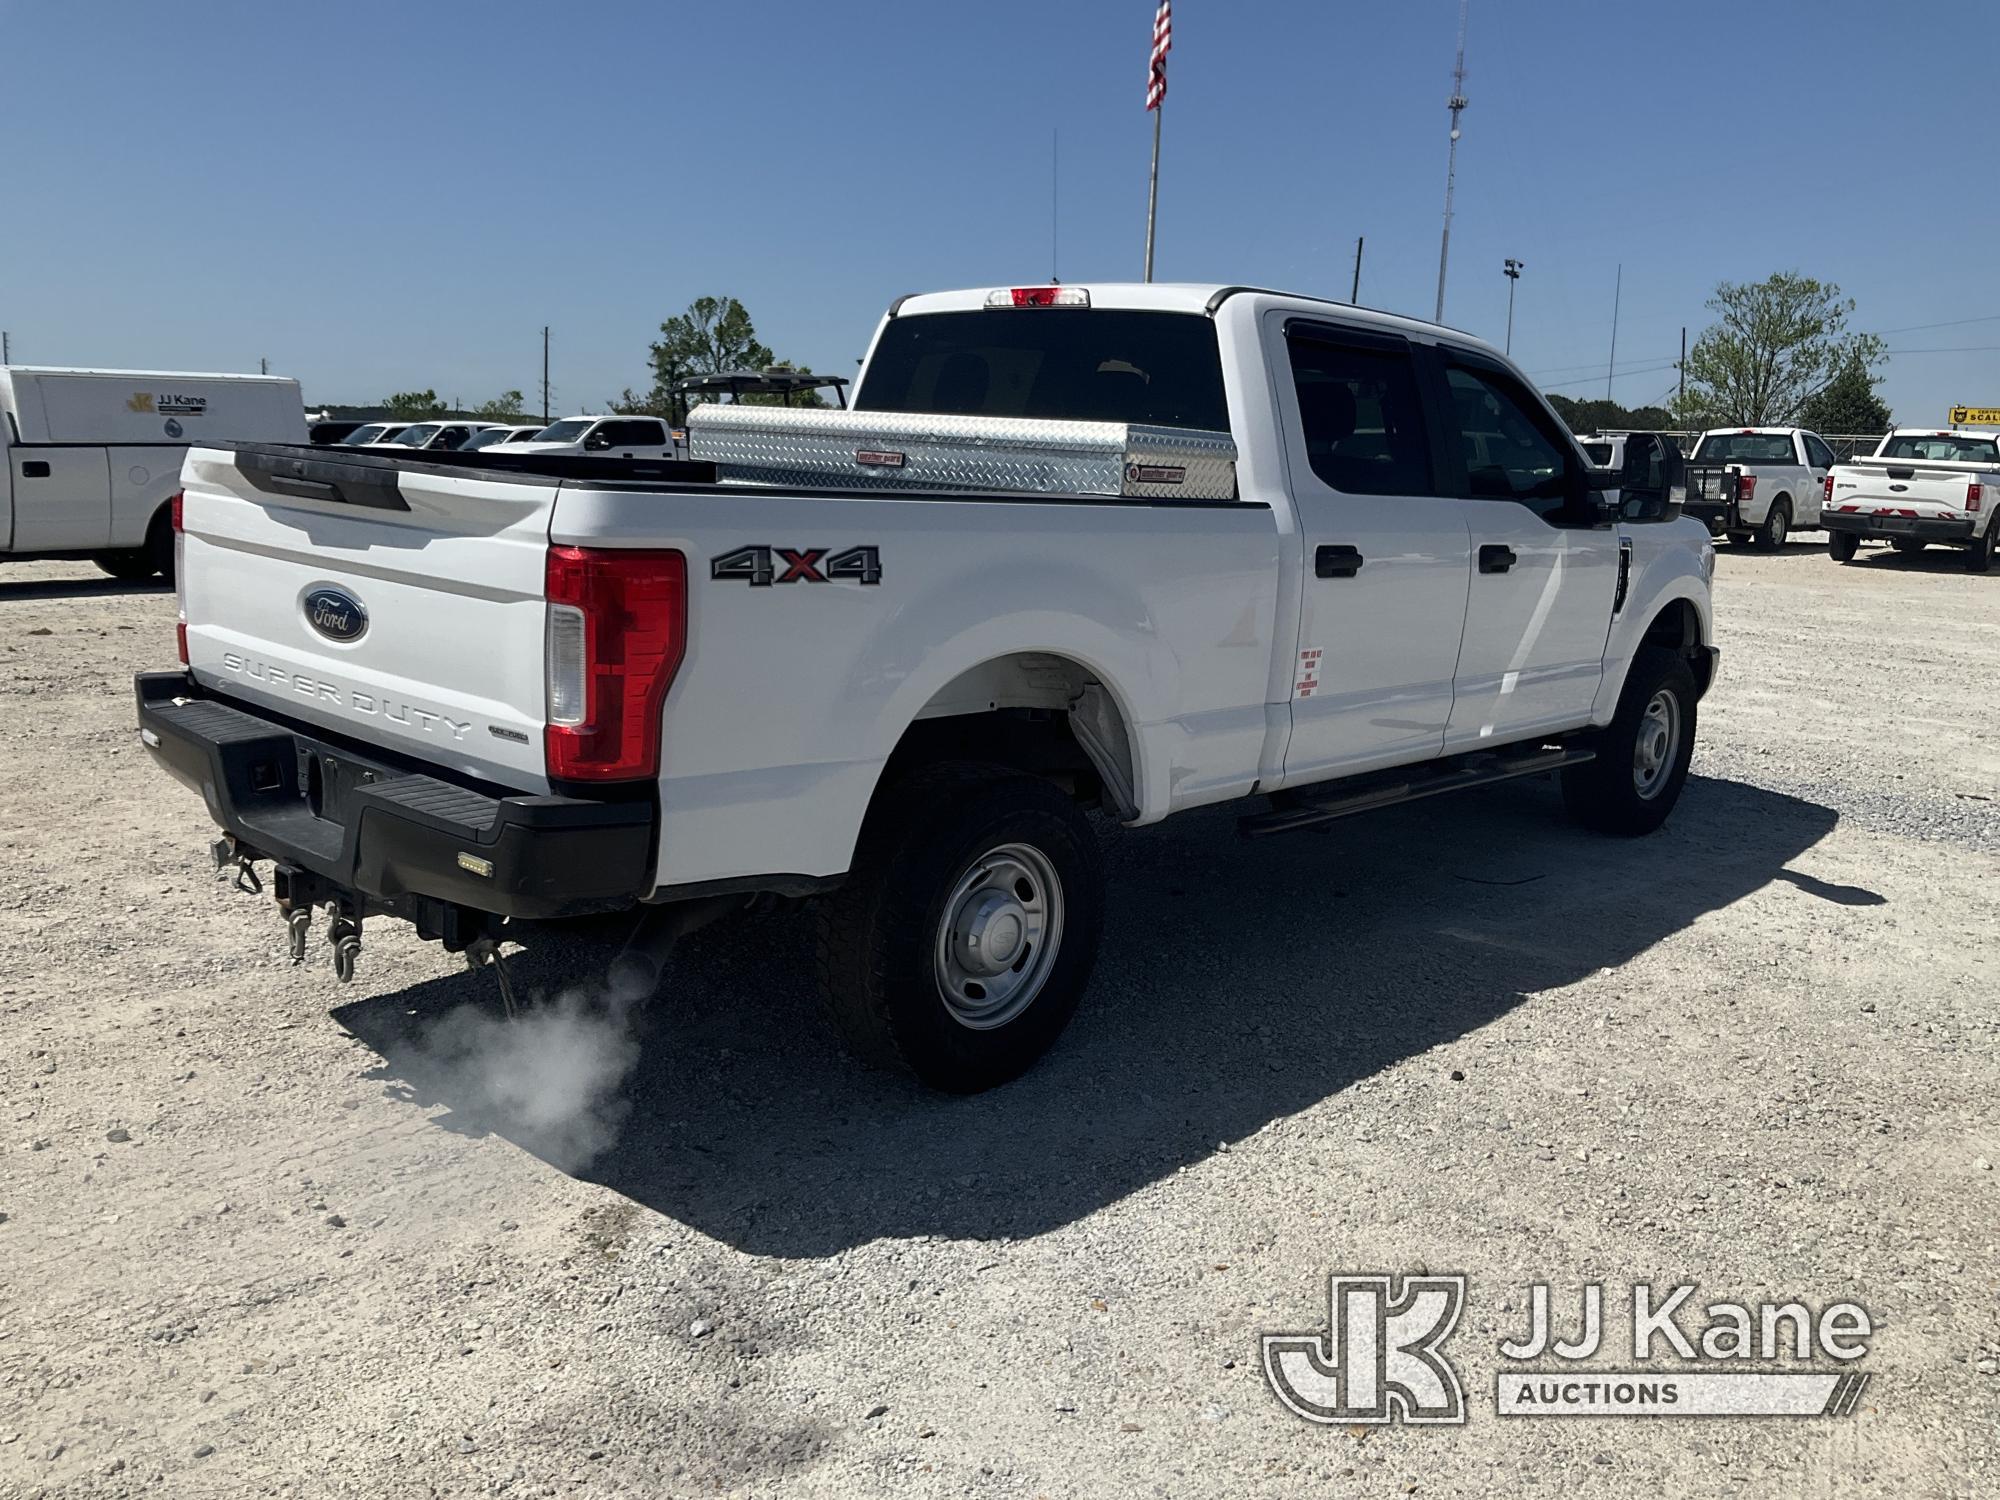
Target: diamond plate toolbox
{"x":878,"y":450}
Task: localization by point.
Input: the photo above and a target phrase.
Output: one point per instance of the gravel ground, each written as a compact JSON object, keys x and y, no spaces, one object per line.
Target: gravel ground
{"x":263,"y":1235}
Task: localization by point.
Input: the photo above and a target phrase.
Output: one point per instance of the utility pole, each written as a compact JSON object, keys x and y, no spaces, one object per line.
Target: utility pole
{"x":6,"y":347}
{"x":545,"y":375}
{"x":1354,"y":296}
{"x":1457,"y":106}
{"x":1680,"y":401}
{"x":263,"y":367}
{"x":1513,"y":274}
{"x":1617,"y":295}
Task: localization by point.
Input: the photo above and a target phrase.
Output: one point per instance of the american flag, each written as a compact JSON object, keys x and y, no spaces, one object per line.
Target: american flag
{"x":1163,"y":41}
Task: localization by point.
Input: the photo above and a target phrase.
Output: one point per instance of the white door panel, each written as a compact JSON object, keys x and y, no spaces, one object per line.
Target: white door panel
{"x":1534,"y":633}
{"x":1543,"y":573}
{"x":1384,"y":560}
{"x":62,"y":498}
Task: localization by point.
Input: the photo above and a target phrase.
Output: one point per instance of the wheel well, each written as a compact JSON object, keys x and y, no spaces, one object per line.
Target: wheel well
{"x":1034,"y":712}
{"x":1678,"y":628}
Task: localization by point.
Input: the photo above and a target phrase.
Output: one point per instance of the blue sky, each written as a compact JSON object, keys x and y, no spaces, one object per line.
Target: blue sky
{"x":379,"y":196}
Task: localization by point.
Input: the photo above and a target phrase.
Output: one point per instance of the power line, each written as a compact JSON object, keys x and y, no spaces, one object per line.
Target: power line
{"x":1954,"y":323}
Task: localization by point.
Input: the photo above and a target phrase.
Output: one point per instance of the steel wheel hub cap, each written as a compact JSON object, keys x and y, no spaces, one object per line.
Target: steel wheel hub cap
{"x":998,"y":940}
{"x":1658,"y":741}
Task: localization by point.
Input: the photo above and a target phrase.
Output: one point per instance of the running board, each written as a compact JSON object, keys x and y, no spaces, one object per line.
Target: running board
{"x":1309,"y":811}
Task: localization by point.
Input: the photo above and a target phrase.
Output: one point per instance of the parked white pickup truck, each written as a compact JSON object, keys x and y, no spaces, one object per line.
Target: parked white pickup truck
{"x":1922,"y":485}
{"x":1758,"y":483}
{"x":1135,"y":547}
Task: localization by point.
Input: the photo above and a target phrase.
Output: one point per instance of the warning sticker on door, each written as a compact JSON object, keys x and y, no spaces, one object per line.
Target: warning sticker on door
{"x":1308,"y":674}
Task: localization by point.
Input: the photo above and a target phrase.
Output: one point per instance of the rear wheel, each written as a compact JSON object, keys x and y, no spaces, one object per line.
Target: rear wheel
{"x":160,"y":544}
{"x":1643,"y":754}
{"x":1979,"y":556}
{"x":1842,"y":545}
{"x":965,"y":934}
{"x":129,"y":566}
{"x":1777,"y":525}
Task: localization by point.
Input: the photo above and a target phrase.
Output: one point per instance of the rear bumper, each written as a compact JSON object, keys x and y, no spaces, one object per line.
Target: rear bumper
{"x":386,"y":832}
{"x":1920,"y":528}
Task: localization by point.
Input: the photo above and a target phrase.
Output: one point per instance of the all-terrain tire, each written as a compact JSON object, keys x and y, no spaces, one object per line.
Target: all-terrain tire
{"x":893,"y":940}
{"x":160,"y":544}
{"x":129,"y":567}
{"x":1777,"y":525}
{"x":1643,"y":754}
{"x":1979,"y":556}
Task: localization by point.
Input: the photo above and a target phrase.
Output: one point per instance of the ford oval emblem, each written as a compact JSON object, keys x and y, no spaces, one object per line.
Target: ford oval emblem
{"x":336,"y":614}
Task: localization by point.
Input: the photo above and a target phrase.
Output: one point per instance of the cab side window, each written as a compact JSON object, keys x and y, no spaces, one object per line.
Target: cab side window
{"x":1362,"y":416}
{"x":1818,"y":454}
{"x":1510,"y":447}
{"x":633,"y":432}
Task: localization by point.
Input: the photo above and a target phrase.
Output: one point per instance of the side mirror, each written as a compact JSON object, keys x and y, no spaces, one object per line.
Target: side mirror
{"x":597,"y":441}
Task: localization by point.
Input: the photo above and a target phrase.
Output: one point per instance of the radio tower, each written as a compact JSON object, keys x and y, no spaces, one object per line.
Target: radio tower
{"x":1457,"y":106}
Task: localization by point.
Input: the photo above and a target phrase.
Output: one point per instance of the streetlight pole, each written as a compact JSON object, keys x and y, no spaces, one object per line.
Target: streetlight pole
{"x":1513,"y":273}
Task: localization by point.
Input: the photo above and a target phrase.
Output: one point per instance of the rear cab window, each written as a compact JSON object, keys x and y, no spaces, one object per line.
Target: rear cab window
{"x":1941,"y":445}
{"x":1160,"y":369}
{"x":1745,"y":448}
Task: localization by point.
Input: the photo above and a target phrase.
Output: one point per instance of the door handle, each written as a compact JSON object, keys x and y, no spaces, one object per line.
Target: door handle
{"x":1337,"y":562}
{"x":34,"y":468}
{"x":1496,"y":557}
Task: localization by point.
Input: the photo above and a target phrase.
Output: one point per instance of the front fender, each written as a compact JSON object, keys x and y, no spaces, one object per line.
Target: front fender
{"x":1672,"y":563}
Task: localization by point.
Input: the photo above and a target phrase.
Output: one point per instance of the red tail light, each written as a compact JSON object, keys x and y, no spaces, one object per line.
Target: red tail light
{"x":617,"y":629}
{"x":1746,"y":487}
{"x":1827,"y":498}
{"x":180,"y":581}
{"x":1972,"y":497}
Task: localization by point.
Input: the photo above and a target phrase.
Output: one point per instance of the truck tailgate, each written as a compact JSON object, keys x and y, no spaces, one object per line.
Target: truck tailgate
{"x":1898,"y":483}
{"x":396,"y":603}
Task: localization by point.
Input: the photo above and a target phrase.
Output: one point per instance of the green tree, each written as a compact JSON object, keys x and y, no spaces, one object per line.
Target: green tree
{"x":1848,"y":403}
{"x":713,"y":335}
{"x":506,"y":404}
{"x":1776,"y":343}
{"x":1609,"y":416}
{"x":414,"y":405}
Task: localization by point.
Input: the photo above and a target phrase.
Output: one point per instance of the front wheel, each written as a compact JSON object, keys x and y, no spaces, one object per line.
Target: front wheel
{"x":964,"y":936}
{"x":1842,"y":545}
{"x":1643,"y":754}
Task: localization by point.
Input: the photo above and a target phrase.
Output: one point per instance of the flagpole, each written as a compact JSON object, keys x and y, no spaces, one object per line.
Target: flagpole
{"x":1153,"y":187}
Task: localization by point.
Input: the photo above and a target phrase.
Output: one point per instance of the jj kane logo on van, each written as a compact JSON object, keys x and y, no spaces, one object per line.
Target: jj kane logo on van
{"x":167,"y":404}
{"x":1381,"y":1357}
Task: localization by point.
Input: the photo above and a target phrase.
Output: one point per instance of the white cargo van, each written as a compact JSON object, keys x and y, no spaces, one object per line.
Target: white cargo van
{"x":94,"y":456}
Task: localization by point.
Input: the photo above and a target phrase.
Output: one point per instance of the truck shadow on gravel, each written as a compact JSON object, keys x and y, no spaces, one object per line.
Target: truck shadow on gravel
{"x":1239,"y":983}
{"x":78,"y":588}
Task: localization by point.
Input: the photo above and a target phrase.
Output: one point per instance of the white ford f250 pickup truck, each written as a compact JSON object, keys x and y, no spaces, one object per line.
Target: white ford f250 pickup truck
{"x":1758,"y":484}
{"x":1923,"y":485}
{"x":1336,"y":560}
